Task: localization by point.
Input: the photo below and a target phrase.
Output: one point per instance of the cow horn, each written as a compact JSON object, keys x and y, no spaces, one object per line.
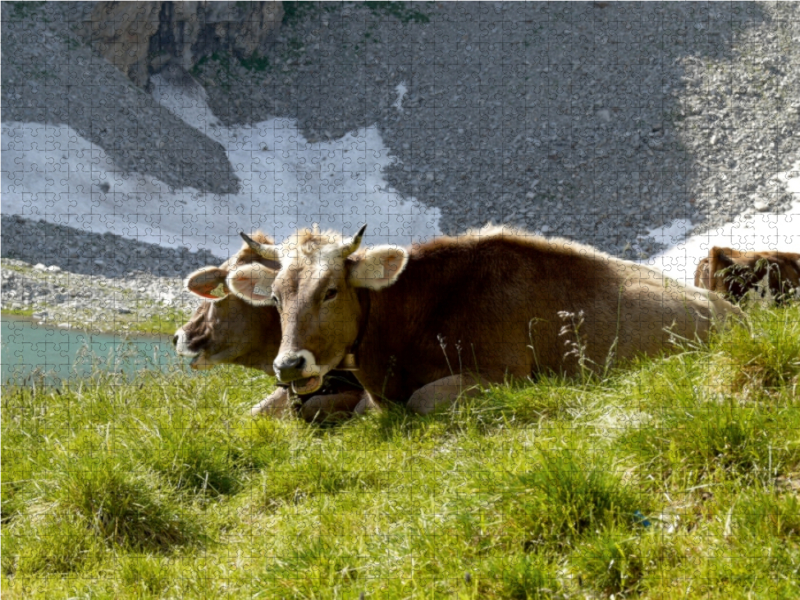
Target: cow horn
{"x":351,"y":246}
{"x":267,"y":251}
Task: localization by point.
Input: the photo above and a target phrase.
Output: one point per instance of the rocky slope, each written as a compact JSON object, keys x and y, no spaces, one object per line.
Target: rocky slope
{"x":596,"y":121}
{"x":70,"y":278}
{"x":138,"y":303}
{"x":50,"y":76}
{"x":140,"y":38}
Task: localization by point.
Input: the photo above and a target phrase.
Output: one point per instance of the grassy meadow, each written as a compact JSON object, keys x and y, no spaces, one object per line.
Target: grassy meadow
{"x":676,"y":477}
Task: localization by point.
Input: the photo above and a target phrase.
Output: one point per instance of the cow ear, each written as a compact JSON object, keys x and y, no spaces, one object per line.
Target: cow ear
{"x":378,"y":267}
{"x":252,"y":283}
{"x":208,"y":283}
{"x":720,"y":256}
{"x":701,"y":275}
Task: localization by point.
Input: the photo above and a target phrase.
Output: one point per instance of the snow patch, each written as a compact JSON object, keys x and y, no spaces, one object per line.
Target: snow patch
{"x":52,"y":173}
{"x":401,"y":90}
{"x":752,"y":230}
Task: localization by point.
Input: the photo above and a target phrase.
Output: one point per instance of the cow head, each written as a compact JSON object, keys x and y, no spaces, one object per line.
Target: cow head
{"x":315,"y":293}
{"x":736,"y":272}
{"x":225,"y":329}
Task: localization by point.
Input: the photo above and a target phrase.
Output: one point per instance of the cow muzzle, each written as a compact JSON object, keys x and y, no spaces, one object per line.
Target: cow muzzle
{"x":300,"y":369}
{"x":182,"y":345}
{"x":199,"y":359}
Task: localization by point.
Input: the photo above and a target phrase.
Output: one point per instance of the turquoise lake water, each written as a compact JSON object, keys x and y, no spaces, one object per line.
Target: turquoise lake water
{"x":59,"y":354}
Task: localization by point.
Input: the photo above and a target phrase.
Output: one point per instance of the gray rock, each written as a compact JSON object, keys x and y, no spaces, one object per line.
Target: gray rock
{"x":141,"y":38}
{"x":487,"y":125}
{"x":110,"y":255}
{"x":87,"y":93}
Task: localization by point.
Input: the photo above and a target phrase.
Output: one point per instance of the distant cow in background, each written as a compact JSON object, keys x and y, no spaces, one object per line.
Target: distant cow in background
{"x":227,"y":330}
{"x":733,"y":273}
{"x":493,"y":302}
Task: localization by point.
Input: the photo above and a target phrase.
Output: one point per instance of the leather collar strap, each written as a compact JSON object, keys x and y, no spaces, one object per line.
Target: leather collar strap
{"x":350,"y":360}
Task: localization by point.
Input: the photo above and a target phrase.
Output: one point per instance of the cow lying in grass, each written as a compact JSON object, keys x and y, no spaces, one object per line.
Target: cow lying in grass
{"x":488,"y":304}
{"x":226,"y":330}
{"x":733,"y":273}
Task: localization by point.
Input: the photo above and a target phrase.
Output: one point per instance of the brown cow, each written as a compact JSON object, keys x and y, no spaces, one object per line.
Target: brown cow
{"x":227,"y":330}
{"x":734,"y":273}
{"x":492,"y":302}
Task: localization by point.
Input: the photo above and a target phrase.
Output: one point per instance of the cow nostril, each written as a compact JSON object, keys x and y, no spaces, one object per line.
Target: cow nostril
{"x":296,"y":362}
{"x":175,"y":340}
{"x":291,"y":363}
{"x":290,"y":366}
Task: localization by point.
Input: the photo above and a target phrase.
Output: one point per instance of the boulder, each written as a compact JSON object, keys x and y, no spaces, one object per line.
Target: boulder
{"x":141,"y":38}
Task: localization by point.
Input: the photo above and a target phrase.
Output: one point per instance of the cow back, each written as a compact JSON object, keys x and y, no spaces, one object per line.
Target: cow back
{"x":499,"y":303}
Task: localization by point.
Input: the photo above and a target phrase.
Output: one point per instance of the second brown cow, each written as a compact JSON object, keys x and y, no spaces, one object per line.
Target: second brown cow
{"x":734,"y":273}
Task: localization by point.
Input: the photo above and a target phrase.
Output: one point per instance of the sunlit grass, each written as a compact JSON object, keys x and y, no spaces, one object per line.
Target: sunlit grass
{"x":673,"y":477}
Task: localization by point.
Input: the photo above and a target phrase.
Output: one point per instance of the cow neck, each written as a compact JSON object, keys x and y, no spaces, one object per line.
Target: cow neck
{"x":350,"y":361}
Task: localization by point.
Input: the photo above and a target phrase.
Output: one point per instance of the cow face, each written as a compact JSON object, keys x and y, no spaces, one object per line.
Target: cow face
{"x":225,"y":329}
{"x":315,"y":293}
{"x":733,"y":273}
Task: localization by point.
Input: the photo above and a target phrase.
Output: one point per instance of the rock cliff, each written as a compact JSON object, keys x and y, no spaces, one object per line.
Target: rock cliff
{"x":141,"y":38}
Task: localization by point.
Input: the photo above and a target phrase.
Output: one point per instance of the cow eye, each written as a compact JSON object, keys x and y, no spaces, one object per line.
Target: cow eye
{"x":331,"y":294}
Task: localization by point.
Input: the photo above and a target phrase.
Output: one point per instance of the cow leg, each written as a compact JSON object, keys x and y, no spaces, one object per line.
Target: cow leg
{"x":277,"y":404}
{"x":444,"y":392}
{"x":331,"y":406}
{"x":367,"y":403}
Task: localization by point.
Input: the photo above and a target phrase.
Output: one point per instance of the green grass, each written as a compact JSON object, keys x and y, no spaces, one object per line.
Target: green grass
{"x":672,"y":478}
{"x":405,"y":12}
{"x":255,"y":62}
{"x":164,"y":321}
{"x":402,"y":11}
{"x":217,"y":68}
{"x":18,"y":312}
{"x":296,"y":11}
{"x":23,"y":10}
